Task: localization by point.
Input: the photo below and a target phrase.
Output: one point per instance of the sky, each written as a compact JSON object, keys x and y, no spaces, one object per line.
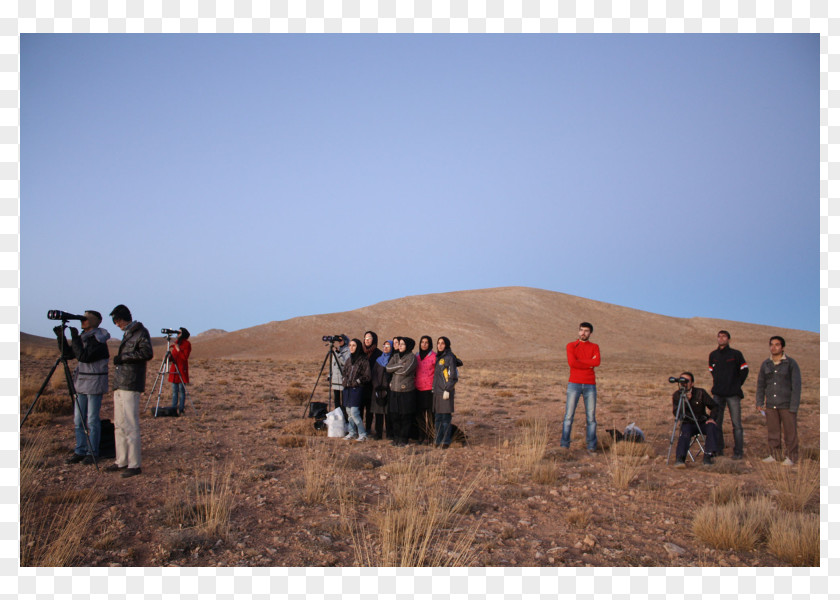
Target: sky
{"x":225,"y":181}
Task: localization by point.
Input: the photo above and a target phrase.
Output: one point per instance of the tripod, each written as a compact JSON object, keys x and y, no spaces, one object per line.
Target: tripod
{"x":330,"y":353}
{"x":164,"y":369}
{"x":71,"y":389}
{"x":681,"y":412}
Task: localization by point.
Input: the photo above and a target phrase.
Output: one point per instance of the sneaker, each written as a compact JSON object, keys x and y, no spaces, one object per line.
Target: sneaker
{"x":88,"y":460}
{"x":131,"y":472}
{"x":362,"y":438}
{"x":787,"y":462}
{"x":74,"y":458}
{"x":680,"y":464}
{"x":349,"y":436}
{"x":769,"y":459}
{"x":707,"y":459}
{"x":115,"y":467}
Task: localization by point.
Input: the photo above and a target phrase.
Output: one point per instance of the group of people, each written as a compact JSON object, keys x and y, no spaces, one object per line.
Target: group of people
{"x":777,"y":396}
{"x":392,"y":392}
{"x":778,"y":393}
{"x":90,"y":379}
{"x":395,"y":393}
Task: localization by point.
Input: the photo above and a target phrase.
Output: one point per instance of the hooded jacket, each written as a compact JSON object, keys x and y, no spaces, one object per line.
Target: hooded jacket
{"x":91,"y":350}
{"x":402,"y":367}
{"x":135,"y":351}
{"x":337,"y":367}
{"x":446,"y":376}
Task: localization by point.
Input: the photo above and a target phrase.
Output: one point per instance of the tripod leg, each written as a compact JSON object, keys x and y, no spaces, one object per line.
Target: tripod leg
{"x":40,"y":391}
{"x":315,"y":387}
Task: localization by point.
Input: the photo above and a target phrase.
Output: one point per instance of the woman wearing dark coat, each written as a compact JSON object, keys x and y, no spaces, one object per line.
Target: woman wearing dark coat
{"x":381,"y":379}
{"x":356,"y":373}
{"x":372,"y":352}
{"x":402,"y":367}
{"x":423,"y":428}
{"x":446,"y":376}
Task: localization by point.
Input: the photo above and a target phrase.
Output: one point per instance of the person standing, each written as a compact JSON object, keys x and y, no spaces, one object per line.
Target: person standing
{"x":381,"y":379}
{"x":401,"y":405}
{"x":129,"y":383}
{"x":340,"y":354}
{"x":90,"y":380}
{"x":445,"y":378}
{"x":583,"y":357}
{"x":180,"y":351}
{"x":423,"y":381}
{"x":729,"y":371}
{"x":372,"y":352}
{"x":356,"y":375}
{"x":779,"y":389}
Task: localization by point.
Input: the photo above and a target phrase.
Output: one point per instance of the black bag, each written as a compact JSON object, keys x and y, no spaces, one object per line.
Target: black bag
{"x":165,"y":411}
{"x":318,"y":410}
{"x":107,"y":449}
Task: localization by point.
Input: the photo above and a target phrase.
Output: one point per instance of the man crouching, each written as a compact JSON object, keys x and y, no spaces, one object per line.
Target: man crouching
{"x":698,"y":400}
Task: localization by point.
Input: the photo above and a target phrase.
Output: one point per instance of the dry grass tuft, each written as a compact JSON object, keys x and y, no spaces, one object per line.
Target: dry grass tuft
{"x":297,"y":395}
{"x":206,"y":505}
{"x":322,"y":464}
{"x":809,"y":453}
{"x":291,"y":441}
{"x":797,"y":485}
{"x":624,"y":469}
{"x":738,"y":525}
{"x":623,"y":448}
{"x":422,"y":522}
{"x":71,"y":496}
{"x":525,"y":454}
{"x":302,"y":427}
{"x":727,"y":466}
{"x":545,"y":472}
{"x":795,"y":538}
{"x":579,"y":517}
{"x":51,"y":537}
{"x":728,"y":491}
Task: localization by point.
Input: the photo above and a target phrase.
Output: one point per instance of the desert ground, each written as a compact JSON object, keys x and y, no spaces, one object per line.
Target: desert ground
{"x":244,"y":478}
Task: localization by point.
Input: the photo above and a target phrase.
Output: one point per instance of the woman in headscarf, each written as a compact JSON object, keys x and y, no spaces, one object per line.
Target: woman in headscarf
{"x":424,"y":378}
{"x":402,"y":367}
{"x":372,"y":352}
{"x":179,"y":369}
{"x":380,"y":379}
{"x":356,"y":373}
{"x":446,"y":375}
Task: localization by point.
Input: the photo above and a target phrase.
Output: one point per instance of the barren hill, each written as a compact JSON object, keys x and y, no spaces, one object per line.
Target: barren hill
{"x":505,"y":322}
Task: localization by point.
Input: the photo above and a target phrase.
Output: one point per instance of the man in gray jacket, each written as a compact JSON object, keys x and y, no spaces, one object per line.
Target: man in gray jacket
{"x":778,"y":390}
{"x":90,"y":380}
{"x":129,"y":383}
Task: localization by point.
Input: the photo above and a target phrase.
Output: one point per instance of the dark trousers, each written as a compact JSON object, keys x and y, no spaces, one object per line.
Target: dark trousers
{"x":689,"y":430}
{"x":402,"y":426}
{"x":779,"y":420}
{"x":734,"y":404}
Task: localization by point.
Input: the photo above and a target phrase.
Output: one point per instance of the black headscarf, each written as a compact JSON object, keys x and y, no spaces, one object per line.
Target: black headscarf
{"x":409,"y":345}
{"x":447,"y":343}
{"x":359,"y":352}
{"x":374,"y":345}
{"x":422,"y":352}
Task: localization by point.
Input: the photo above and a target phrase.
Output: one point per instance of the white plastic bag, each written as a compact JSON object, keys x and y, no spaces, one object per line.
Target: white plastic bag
{"x":336,"y":426}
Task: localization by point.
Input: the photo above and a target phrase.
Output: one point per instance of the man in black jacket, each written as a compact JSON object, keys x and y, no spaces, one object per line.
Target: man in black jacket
{"x":698,"y":401}
{"x":729,"y":371}
{"x":129,"y":383}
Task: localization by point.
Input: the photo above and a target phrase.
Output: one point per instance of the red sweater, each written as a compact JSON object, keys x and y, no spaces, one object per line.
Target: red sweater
{"x":179,"y":357}
{"x":583,"y":358}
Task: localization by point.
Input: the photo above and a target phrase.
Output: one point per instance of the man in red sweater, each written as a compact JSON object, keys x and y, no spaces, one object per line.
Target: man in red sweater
{"x":583,"y":357}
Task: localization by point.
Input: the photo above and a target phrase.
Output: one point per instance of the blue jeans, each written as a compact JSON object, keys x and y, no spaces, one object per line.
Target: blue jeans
{"x":443,"y":428}
{"x":90,"y":405}
{"x":573,"y":393}
{"x":734,"y":404}
{"x":178,"y":390}
{"x":354,"y":415}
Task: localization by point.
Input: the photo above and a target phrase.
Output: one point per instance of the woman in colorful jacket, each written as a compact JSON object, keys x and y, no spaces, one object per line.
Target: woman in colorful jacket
{"x":423,"y":380}
{"x":356,"y":374}
{"x":180,"y":351}
{"x":402,"y":367}
{"x":446,"y":376}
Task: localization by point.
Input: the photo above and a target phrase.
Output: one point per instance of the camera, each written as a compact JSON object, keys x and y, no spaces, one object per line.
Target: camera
{"x":332,"y":338}
{"x":680,"y":380}
{"x":60,"y":315}
{"x":170,"y":331}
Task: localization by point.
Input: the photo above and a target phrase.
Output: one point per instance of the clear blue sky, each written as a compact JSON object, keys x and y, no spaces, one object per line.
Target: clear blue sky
{"x":224,"y":181}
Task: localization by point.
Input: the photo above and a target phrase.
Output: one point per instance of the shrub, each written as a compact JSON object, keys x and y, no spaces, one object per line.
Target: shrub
{"x":797,"y":484}
{"x":738,"y":525}
{"x":579,"y":517}
{"x":795,"y":538}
